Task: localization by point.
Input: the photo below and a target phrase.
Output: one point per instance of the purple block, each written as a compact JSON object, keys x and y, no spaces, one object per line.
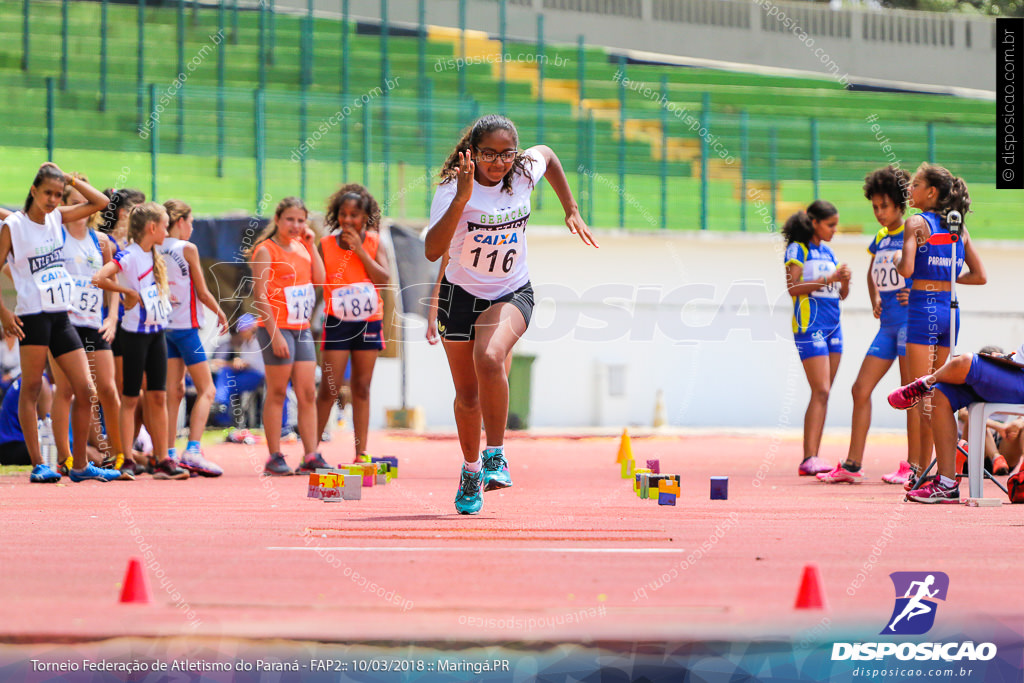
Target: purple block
{"x":719,"y":488}
{"x":666,"y":498}
{"x":654,"y":466}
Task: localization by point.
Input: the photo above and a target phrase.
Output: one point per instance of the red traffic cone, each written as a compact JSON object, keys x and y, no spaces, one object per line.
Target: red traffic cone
{"x":811,"y":595}
{"x":134,"y":589}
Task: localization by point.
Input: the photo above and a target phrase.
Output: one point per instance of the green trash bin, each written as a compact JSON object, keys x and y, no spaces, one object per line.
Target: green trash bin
{"x":519,"y":380}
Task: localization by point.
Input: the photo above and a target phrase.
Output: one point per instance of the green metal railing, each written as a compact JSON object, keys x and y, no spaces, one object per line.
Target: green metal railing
{"x":653,"y":163}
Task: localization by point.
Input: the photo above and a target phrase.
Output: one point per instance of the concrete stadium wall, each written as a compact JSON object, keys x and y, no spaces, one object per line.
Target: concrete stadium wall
{"x":702,"y":317}
{"x":918,"y":48}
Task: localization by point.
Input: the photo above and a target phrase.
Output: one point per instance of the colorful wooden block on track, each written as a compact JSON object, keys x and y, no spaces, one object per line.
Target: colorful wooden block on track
{"x":719,"y":488}
{"x":665,"y":498}
{"x":654,"y":466}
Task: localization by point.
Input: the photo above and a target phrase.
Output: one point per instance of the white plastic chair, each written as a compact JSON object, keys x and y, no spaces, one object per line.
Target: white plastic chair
{"x":978,"y":415}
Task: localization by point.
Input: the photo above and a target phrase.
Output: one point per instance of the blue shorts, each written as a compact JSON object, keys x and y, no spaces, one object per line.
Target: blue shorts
{"x":818,"y":343}
{"x":928,"y":318}
{"x":890,"y":342}
{"x":340,"y":335}
{"x":987,"y":382}
{"x":185,"y":344}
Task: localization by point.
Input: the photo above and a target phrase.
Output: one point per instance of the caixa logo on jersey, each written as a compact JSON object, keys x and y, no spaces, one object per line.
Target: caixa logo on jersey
{"x":917,"y":594}
{"x":917,"y":601}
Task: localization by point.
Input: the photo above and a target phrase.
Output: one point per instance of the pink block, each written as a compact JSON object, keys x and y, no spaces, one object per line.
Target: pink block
{"x":654,"y":466}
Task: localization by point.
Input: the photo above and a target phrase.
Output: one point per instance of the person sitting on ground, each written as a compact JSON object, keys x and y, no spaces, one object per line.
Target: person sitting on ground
{"x":964,"y":379}
{"x":238,"y":367}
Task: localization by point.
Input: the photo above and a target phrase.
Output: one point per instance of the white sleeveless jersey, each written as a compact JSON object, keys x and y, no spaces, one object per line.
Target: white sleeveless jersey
{"x":37,"y":264}
{"x":150,"y":315}
{"x":83,"y":259}
{"x":186,"y":309}
{"x":487,"y":255}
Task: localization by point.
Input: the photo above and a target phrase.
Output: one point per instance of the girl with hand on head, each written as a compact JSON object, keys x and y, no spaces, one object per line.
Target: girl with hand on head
{"x":32,"y":244}
{"x":928,"y":257}
{"x":139,"y":274}
{"x":485,"y":301}
{"x":286,"y":267}
{"x":889,"y":292}
{"x":188,"y":296}
{"x":817,"y":282}
{"x":355,"y":266}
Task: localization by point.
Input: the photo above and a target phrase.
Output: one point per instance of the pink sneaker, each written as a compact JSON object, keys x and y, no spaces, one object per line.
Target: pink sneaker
{"x":934,"y":492}
{"x":907,"y":396}
{"x":840,"y":475}
{"x":814,"y":465}
{"x":900,"y":476}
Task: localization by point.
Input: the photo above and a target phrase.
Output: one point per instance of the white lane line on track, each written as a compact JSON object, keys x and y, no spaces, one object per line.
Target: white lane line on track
{"x":436,"y":549}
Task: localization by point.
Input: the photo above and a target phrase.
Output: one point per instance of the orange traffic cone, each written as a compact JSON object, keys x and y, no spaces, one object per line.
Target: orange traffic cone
{"x":134,"y":589}
{"x":811,"y":595}
{"x":625,"y":448}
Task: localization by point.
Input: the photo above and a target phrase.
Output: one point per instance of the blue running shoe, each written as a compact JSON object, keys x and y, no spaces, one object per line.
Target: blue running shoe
{"x":41,"y":474}
{"x":312,"y":463}
{"x":93,"y":473}
{"x":496,"y":474}
{"x":469,"y":498}
{"x":276,"y":466}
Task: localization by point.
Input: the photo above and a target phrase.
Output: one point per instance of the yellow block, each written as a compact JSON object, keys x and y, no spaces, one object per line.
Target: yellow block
{"x":627,"y":469}
{"x":406,"y":418}
{"x":668,"y":486}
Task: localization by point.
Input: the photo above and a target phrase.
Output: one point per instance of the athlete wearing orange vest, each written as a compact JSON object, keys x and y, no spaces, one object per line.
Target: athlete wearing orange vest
{"x":286,"y":267}
{"x":356,"y":266}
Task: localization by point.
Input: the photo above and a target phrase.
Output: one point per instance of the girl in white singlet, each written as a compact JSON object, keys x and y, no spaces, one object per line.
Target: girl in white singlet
{"x":32,"y":243}
{"x":479,"y":216}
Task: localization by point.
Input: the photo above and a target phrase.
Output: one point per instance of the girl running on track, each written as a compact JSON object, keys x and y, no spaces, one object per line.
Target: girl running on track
{"x":478,"y":217}
{"x":95,"y":321}
{"x":188,"y":296}
{"x":889,"y":292}
{"x":286,"y":266}
{"x":817,"y":282}
{"x":32,"y":243}
{"x":355,"y":265}
{"x":927,"y":257}
{"x":139,"y":274}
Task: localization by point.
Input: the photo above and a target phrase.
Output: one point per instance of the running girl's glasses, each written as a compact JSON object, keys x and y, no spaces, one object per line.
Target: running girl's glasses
{"x":489,"y":155}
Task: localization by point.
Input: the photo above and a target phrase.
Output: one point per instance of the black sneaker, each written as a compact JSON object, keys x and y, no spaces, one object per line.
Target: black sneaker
{"x":169,"y":469}
{"x":276,"y":466}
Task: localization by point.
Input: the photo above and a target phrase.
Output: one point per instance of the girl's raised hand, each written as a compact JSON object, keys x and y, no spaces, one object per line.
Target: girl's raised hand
{"x":308,"y":238}
{"x":350,"y":239}
{"x":577,"y":227}
{"x":464,"y":182}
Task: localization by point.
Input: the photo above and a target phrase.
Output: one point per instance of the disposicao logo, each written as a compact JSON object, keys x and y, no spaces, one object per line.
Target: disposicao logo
{"x":913,"y":614}
{"x":916,"y":596}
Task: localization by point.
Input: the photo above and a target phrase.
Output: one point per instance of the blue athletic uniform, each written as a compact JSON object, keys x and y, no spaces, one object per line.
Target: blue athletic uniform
{"x":816,"y":328}
{"x":928,"y":311}
{"x":986,"y":382}
{"x":891,"y":340}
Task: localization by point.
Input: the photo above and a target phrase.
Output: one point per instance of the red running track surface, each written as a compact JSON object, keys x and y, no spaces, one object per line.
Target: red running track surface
{"x":568,"y":554}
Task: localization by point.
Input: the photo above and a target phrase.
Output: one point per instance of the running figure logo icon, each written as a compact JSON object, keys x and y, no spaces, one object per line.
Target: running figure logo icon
{"x":916,"y":595}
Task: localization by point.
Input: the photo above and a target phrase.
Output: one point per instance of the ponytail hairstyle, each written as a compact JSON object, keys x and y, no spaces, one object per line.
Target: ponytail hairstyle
{"x":124,"y":198}
{"x":140,"y":217}
{"x":48,"y":171}
{"x":353,"y":192}
{"x":800,"y":226}
{"x":471,"y":138}
{"x":271,"y":229}
{"x":891,"y":182}
{"x":176,"y":210}
{"x":952,"y":191}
